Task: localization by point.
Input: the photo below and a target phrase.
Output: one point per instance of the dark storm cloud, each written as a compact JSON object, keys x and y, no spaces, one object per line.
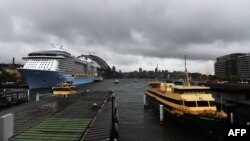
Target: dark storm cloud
{"x":203,"y":29}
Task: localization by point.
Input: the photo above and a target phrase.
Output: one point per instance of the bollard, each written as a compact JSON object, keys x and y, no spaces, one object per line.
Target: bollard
{"x":232,"y":118}
{"x":161,"y":114}
{"x":19,"y":96}
{"x":114,"y":99}
{"x":37,"y":97}
{"x":9,"y":98}
{"x":6,"y":127}
{"x":116,"y":127}
{"x":28,"y":93}
{"x":117,"y":116}
{"x":145,"y":101}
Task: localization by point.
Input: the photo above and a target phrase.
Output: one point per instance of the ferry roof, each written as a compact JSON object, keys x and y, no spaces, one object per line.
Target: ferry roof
{"x":191,"y":87}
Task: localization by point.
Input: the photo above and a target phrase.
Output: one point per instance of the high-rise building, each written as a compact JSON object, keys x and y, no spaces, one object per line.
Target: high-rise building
{"x":140,"y":70}
{"x":226,"y":66}
{"x":113,"y":68}
{"x":243,"y":65}
{"x":13,"y":61}
{"x":156,"y":69}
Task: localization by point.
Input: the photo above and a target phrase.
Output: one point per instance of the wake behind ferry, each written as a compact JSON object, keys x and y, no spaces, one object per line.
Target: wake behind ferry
{"x":47,"y":68}
{"x":191,"y":106}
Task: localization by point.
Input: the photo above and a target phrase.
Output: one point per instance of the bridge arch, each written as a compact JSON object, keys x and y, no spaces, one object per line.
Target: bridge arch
{"x":104,"y":66}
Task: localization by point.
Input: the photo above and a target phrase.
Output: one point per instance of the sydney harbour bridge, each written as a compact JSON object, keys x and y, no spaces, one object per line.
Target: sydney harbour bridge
{"x":104,"y":67}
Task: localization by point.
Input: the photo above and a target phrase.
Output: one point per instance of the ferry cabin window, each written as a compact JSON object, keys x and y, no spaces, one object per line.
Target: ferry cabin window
{"x":155,"y":85}
{"x":202,"y":103}
{"x":194,"y":91}
{"x":178,"y":91}
{"x":207,"y":92}
{"x":190,"y":103}
{"x":211,"y":103}
{"x":62,"y":89}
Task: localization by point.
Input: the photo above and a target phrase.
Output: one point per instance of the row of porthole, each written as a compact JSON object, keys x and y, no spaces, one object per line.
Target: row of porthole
{"x":41,"y":66}
{"x":45,"y":67}
{"x":28,"y":64}
{"x":34,"y":65}
{"x":40,"y":62}
{"x":45,"y":64}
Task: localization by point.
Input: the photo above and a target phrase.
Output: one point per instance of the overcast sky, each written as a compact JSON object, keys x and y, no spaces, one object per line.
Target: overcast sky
{"x":128,"y":33}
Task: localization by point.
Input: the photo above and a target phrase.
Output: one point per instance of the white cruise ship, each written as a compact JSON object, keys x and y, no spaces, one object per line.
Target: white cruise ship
{"x":45,"y":69}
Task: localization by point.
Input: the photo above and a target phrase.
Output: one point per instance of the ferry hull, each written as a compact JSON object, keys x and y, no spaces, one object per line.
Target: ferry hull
{"x":45,"y":79}
{"x":206,"y":124}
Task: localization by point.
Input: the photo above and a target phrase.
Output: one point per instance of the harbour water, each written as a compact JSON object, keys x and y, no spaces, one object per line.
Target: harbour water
{"x":137,"y":124}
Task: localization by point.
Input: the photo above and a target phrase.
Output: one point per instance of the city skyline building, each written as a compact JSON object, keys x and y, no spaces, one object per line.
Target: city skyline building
{"x":140,"y":70}
{"x":243,"y":66}
{"x":233,"y":66}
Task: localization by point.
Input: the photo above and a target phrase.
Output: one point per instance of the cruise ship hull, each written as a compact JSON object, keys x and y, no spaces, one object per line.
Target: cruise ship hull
{"x":205,"y":124}
{"x":45,"y":79}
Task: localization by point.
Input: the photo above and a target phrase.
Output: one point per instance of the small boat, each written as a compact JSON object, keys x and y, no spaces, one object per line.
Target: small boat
{"x":116,"y":81}
{"x":64,"y":89}
{"x":191,"y":106}
{"x":98,"y":79}
{"x":135,"y":80}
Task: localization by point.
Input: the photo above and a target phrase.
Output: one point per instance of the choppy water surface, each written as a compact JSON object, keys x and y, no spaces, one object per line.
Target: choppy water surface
{"x":137,"y":124}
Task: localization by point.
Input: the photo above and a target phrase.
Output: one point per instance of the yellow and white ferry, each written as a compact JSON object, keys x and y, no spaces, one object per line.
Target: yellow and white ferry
{"x":189,"y":105}
{"x":64,"y":89}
